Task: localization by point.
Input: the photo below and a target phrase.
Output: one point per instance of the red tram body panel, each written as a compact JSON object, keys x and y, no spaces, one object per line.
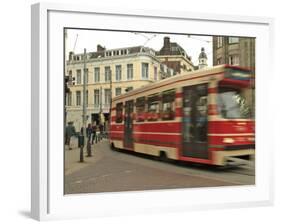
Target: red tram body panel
{"x":201,"y":116}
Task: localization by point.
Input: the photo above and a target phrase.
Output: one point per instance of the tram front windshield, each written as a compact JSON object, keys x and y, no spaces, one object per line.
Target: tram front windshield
{"x":232,"y":104}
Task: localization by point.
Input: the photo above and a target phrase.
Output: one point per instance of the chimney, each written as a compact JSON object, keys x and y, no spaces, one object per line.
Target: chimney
{"x":70,"y":56}
{"x":166,"y":42}
{"x":100,"y":48}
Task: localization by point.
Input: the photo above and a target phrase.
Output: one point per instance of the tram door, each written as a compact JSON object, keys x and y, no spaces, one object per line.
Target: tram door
{"x":128,"y":132}
{"x":195,"y":121}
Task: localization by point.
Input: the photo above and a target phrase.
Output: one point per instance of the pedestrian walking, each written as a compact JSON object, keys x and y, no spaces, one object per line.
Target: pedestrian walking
{"x":69,"y":132}
{"x":101,"y":131}
{"x":89,"y":131}
{"x":89,"y":148}
{"x":98,"y":133}
{"x":94,"y":133}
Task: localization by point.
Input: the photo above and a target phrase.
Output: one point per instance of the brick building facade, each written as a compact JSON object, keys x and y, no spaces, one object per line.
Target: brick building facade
{"x":238,"y":51}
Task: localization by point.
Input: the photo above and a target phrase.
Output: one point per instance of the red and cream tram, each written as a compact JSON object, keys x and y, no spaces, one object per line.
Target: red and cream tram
{"x":202,"y":116}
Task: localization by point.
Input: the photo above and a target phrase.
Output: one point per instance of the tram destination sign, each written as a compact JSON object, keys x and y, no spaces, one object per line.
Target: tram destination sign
{"x":238,"y":74}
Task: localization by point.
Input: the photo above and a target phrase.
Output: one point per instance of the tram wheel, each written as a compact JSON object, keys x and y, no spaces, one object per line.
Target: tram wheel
{"x":163,"y":157}
{"x":112,"y":146}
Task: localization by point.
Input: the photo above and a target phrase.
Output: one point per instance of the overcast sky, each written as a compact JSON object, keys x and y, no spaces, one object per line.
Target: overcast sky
{"x":77,"y":40}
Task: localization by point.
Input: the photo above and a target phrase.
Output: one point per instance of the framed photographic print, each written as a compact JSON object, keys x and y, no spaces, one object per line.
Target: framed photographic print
{"x":148,"y":111}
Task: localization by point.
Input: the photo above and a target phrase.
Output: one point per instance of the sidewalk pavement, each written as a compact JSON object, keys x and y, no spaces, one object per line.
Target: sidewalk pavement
{"x":72,"y":157}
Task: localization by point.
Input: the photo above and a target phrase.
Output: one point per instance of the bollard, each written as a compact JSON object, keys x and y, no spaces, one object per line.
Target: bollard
{"x":81,"y":146}
{"x":89,"y":150}
{"x":81,"y":155}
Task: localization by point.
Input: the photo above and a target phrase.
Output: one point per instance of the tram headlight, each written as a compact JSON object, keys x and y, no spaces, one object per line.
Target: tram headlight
{"x":228,"y":140}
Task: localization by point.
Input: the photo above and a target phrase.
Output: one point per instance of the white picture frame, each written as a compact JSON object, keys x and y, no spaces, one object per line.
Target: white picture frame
{"x":48,"y":201}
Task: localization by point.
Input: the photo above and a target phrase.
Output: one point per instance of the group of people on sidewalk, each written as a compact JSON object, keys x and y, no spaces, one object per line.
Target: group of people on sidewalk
{"x":94,"y":133}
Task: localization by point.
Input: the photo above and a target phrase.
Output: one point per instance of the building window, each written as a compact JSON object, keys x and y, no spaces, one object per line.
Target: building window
{"x":219,"y":61}
{"x":96,"y":97}
{"x":233,"y":40}
{"x":144,"y":70}
{"x":107,"y":96}
{"x":233,"y":60}
{"x":219,"y":42}
{"x":130,"y":88}
{"x":118,"y":91}
{"x":97,"y":74}
{"x":118,"y":73}
{"x":78,"y":76}
{"x":130,"y":73}
{"x":107,"y":74}
{"x":78,"y":98}
{"x":119,"y":113}
{"x":69,"y":98}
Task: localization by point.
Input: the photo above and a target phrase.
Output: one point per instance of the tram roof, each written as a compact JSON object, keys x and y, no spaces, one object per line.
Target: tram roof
{"x":193,"y":74}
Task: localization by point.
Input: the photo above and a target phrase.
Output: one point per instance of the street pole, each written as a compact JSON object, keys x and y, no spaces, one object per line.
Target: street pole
{"x":65,"y":82}
{"x":84,"y":109}
{"x":110,"y":103}
{"x":100,"y":114}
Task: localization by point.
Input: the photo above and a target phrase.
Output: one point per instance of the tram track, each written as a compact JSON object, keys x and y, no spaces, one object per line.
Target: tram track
{"x":245,"y":171}
{"x":239,"y":169}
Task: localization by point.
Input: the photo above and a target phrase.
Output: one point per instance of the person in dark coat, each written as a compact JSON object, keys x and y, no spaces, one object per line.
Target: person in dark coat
{"x":69,"y":132}
{"x":94,"y":131}
{"x":89,"y":131}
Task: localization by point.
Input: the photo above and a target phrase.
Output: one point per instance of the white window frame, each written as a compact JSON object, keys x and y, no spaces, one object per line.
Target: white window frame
{"x":48,"y":201}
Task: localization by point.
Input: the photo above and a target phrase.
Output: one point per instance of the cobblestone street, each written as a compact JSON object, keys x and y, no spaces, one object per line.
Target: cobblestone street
{"x":112,"y":171}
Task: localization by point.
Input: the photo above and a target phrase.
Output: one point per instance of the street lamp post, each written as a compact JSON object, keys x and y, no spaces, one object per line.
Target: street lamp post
{"x":110,"y":87}
{"x":84,"y":118}
{"x":110,"y":102}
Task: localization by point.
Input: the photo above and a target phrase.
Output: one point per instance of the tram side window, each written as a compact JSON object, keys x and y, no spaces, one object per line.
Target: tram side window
{"x":168,"y":105}
{"x":201,"y":103}
{"x":119,"y":113}
{"x":153,"y":108}
{"x":140,"y":109}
